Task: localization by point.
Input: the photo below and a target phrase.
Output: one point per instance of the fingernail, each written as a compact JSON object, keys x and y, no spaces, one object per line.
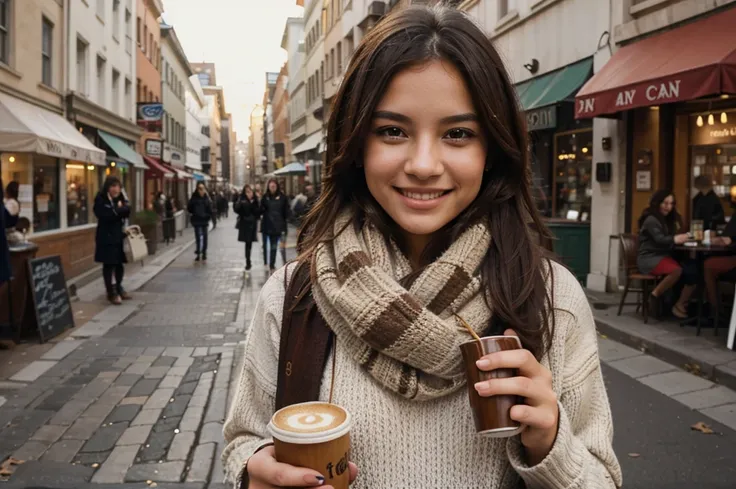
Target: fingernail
{"x":479,"y":386}
{"x":320,"y":479}
{"x":483,"y":363}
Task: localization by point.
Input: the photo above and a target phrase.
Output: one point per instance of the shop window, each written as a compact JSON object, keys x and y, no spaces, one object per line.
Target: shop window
{"x":82,"y":50}
{"x":82,"y":185}
{"x":17,"y":168}
{"x":45,"y":193}
{"x":573,"y":165}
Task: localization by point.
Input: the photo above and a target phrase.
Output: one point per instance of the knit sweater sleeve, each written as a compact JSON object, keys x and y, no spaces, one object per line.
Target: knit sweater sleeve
{"x":582,"y":456}
{"x":246,"y":427}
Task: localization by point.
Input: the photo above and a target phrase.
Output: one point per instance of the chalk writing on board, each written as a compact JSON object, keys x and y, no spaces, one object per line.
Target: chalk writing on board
{"x":51,"y":299}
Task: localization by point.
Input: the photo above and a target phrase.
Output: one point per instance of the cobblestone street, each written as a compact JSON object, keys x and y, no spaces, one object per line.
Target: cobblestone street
{"x":139,"y":402}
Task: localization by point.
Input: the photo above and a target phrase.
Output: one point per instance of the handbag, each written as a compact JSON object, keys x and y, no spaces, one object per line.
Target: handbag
{"x":134,"y":244}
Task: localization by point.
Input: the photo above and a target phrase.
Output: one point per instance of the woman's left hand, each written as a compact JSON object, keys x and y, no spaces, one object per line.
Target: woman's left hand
{"x":539,"y":414}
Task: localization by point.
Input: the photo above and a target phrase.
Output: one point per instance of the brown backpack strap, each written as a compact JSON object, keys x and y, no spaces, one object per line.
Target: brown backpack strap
{"x":306,"y":341}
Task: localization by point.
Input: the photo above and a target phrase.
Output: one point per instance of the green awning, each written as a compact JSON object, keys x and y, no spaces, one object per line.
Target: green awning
{"x":554,"y":87}
{"x":120,"y":148}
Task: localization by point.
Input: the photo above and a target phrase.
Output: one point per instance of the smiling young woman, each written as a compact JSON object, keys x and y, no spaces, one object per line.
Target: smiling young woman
{"x":425,"y":214}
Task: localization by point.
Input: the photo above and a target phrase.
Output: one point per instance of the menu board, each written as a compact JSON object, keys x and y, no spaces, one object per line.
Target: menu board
{"x":51,"y":303}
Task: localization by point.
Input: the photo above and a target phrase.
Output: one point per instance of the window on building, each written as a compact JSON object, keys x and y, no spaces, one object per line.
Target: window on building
{"x":332,"y":62}
{"x":505,"y":6}
{"x":138,"y":91}
{"x":101,"y":9}
{"x":321,"y":78}
{"x":138,"y":31}
{"x":150,"y":46}
{"x":101,"y":81}
{"x":572,"y":176}
{"x":116,"y":91}
{"x":47,"y":38}
{"x":45,"y":193}
{"x":82,"y":73}
{"x":144,"y":40}
{"x":339,"y":58}
{"x":82,"y":184}
{"x":128,"y":101}
{"x":5,"y":31}
{"x":116,"y":19}
{"x":350,"y":48}
{"x":204,"y":79}
{"x":167,"y":127}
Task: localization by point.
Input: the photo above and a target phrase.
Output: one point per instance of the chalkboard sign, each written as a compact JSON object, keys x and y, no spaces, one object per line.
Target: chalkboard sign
{"x":51,"y":303}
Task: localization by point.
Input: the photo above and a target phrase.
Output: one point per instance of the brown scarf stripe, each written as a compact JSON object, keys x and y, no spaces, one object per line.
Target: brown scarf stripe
{"x":352,"y":263}
{"x":407,"y":375}
{"x":452,"y":289}
{"x":371,"y":362}
{"x":393,"y":322}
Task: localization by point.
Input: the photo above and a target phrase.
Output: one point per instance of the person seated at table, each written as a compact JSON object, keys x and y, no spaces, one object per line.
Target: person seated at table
{"x":658,"y":226}
{"x":715,"y":266}
{"x":707,"y":205}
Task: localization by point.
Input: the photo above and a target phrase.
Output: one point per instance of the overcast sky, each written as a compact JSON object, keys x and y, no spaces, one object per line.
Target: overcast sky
{"x":242,"y":38}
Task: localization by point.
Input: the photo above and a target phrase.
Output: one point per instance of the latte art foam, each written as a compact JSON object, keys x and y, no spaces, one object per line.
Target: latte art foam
{"x":310,"y":418}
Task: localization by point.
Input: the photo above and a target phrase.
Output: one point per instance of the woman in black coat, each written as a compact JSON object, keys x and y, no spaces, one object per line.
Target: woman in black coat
{"x":274,"y":212}
{"x":247,"y":209}
{"x":200,"y":213}
{"x":111,"y":210}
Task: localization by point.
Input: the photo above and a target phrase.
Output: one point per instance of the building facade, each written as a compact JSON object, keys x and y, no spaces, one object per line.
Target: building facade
{"x":148,"y":94}
{"x":309,"y":151}
{"x":293,"y":43}
{"x":255,"y":144}
{"x":228,"y":147}
{"x":60,"y":171}
{"x":197,"y":142}
{"x":281,"y":139}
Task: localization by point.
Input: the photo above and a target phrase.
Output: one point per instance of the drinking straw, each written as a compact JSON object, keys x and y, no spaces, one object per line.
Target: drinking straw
{"x":468,"y":327}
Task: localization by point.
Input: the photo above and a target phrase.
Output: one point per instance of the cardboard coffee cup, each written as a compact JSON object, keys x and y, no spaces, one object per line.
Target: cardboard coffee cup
{"x":314,"y":435}
{"x":492,"y":414}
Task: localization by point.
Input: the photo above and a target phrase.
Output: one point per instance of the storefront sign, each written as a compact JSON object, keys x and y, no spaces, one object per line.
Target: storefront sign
{"x":154,"y":147}
{"x":175,"y":156}
{"x":150,"y":116}
{"x":539,"y":119}
{"x":718,"y":133}
{"x":676,"y":88}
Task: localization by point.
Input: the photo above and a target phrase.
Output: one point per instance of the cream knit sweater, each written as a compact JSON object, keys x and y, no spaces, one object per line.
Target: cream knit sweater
{"x":398,"y":443}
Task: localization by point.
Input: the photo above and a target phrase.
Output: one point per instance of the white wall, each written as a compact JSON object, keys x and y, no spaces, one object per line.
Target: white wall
{"x":118,"y":53}
{"x":173,"y":76}
{"x":312,"y":64}
{"x":195,"y":140}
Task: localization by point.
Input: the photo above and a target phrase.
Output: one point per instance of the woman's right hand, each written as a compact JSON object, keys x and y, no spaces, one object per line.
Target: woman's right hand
{"x":264,"y":472}
{"x":681,"y":238}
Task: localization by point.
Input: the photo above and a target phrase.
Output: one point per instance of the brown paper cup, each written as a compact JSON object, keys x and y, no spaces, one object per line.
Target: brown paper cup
{"x":491,"y":414}
{"x":314,"y":435}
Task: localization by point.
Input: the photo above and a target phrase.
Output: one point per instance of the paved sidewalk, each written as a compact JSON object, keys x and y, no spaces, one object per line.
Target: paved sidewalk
{"x":705,"y":355}
{"x":139,"y":395}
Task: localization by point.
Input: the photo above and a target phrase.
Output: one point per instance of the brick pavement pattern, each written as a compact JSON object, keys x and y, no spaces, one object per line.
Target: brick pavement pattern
{"x":145,"y":402}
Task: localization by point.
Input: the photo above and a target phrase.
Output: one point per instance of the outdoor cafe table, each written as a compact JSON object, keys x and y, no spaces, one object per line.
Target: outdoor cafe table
{"x":700,"y":252}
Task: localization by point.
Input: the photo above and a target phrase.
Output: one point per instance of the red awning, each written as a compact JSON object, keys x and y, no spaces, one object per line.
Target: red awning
{"x":156,"y":168}
{"x":179,"y":174}
{"x":688,"y":62}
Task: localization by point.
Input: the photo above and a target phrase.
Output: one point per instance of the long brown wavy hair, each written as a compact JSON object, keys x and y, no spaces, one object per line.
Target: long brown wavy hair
{"x":513,"y":271}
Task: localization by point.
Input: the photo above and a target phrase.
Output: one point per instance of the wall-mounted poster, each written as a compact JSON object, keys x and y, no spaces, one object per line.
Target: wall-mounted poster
{"x":644,"y":180}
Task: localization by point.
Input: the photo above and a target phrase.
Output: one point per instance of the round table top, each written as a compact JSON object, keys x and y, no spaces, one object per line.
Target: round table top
{"x":703,"y":247}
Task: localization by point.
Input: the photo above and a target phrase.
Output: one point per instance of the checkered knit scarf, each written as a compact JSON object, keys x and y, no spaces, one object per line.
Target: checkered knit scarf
{"x":407,"y":339}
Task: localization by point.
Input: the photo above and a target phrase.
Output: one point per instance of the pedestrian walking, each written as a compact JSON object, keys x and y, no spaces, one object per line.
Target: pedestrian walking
{"x":12,"y":206}
{"x":425,"y":214}
{"x":111,"y":210}
{"x":247,"y":208}
{"x":169,"y":222}
{"x":200,"y":213}
{"x":274,"y":212}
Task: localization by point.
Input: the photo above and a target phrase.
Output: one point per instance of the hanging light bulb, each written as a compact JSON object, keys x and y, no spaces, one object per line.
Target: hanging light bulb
{"x":724,"y":118}
{"x":699,"y":122}
{"x":711,"y":119}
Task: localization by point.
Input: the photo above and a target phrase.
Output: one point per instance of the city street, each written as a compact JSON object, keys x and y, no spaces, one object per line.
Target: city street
{"x":141,"y":403}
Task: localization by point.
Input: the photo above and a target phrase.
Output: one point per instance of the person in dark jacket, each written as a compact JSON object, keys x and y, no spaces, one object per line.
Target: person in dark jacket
{"x":12,"y":206}
{"x":169,"y":223}
{"x":658,"y":234}
{"x":111,"y":210}
{"x":707,"y":205}
{"x":200,"y":211}
{"x":247,"y":208}
{"x":4,"y":248}
{"x":274,"y":212}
